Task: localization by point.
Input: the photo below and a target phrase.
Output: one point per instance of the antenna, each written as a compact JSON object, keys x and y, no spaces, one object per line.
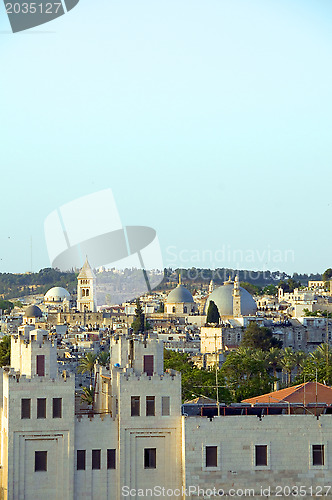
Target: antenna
{"x":31,"y":254}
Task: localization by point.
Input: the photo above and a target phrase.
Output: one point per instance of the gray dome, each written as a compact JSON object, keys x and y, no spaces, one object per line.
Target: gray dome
{"x":33,"y":312}
{"x":223,"y":298}
{"x":178,"y":295}
{"x":57,"y":294}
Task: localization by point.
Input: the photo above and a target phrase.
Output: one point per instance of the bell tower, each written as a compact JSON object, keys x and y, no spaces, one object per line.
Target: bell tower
{"x":86,"y":289}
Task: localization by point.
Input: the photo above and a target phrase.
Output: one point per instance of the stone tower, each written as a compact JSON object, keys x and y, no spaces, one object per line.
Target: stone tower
{"x":86,"y":289}
{"x":211,"y":286}
{"x":236,"y":298}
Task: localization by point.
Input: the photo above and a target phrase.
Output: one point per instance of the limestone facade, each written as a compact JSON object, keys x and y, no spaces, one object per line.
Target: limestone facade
{"x":136,"y":440}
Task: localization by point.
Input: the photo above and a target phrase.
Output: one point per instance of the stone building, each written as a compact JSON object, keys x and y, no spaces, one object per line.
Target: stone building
{"x":58,"y":298}
{"x":86,"y":289}
{"x":135,"y":443}
{"x":180,"y":301}
{"x":232,"y":300}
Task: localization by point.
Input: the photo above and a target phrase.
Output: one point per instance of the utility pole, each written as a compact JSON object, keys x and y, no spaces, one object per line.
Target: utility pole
{"x":327,"y":347}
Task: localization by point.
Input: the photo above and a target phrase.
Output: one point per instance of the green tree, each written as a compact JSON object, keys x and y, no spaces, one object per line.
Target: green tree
{"x":256,"y":337}
{"x":103,"y":358}
{"x":288,"y":363}
{"x":6,"y":305}
{"x":274,"y":357}
{"x":213,"y":315}
{"x":327,"y":275}
{"x":270,"y":290}
{"x":245,"y":373}
{"x":196,"y":381}
{"x":5,"y":351}
{"x":317,"y":365}
{"x":252,"y":289}
{"x":88,"y":395}
{"x":138,"y":325}
{"x":86,"y":365}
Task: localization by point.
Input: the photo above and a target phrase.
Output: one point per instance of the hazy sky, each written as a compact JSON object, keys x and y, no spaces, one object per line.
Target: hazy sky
{"x":211,"y":122}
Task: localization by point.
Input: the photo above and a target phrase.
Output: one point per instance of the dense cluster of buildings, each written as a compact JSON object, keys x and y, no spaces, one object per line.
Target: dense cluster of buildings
{"x":137,"y":440}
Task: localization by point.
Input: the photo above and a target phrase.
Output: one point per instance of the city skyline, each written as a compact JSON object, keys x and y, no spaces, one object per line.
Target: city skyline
{"x":210,"y":123}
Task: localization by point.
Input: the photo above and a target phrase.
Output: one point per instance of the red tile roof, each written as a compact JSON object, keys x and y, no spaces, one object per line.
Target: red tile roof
{"x":310,"y":392}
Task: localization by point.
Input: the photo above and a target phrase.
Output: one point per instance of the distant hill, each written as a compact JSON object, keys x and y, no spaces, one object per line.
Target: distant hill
{"x":20,"y":285}
{"x":200,"y":278}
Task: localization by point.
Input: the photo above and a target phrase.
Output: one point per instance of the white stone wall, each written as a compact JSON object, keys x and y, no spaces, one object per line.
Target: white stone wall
{"x":101,"y":433}
{"x":289,"y":439}
{"x":25,"y":436}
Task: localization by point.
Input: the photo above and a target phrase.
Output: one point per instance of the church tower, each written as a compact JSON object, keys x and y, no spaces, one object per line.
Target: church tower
{"x":86,"y":289}
{"x":211,"y":286}
{"x":236,"y":298}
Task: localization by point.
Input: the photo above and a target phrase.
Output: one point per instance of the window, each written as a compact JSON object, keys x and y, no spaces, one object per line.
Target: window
{"x":150,"y":406}
{"x":211,"y":457}
{"x":317,"y":454}
{"x":260,"y":455}
{"x":135,"y":406}
{"x":57,"y":407}
{"x":40,"y":364}
{"x":165,"y":406}
{"x":41,"y":408}
{"x":150,"y":458}
{"x":25,"y":408}
{"x":80,"y":460}
{"x":148,"y":364}
{"x":96,"y":459}
{"x":185,"y":309}
{"x":111,"y":459}
{"x":40,"y":461}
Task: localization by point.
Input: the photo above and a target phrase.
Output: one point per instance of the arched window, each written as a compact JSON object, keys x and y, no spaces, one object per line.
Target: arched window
{"x":87,"y":293}
{"x":173,"y":309}
{"x":83,"y":292}
{"x":185,"y":309}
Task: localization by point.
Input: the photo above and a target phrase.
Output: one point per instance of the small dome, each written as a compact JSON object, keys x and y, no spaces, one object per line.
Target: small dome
{"x":57,"y":294}
{"x":33,"y":312}
{"x":180,"y":294}
{"x":223,"y":298}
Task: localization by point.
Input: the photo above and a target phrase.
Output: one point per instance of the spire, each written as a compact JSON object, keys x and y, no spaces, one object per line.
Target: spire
{"x":236,"y":282}
{"x":86,"y":271}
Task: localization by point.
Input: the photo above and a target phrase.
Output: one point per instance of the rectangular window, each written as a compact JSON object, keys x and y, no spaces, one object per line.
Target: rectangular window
{"x":150,"y":458}
{"x":317,"y":454}
{"x":150,"y":406}
{"x":165,"y":406}
{"x":96,"y":454}
{"x":40,"y":461}
{"x":148,"y":364}
{"x":80,"y":459}
{"x":111,"y":459}
{"x":261,"y":455}
{"x":211,"y":456}
{"x":135,"y":406}
{"x":41,"y":365}
{"x":57,"y":407}
{"x":25,"y":408}
{"x":41,"y":408}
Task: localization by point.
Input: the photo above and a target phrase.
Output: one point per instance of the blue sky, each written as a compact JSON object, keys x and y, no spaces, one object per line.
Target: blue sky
{"x":210,"y":121}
